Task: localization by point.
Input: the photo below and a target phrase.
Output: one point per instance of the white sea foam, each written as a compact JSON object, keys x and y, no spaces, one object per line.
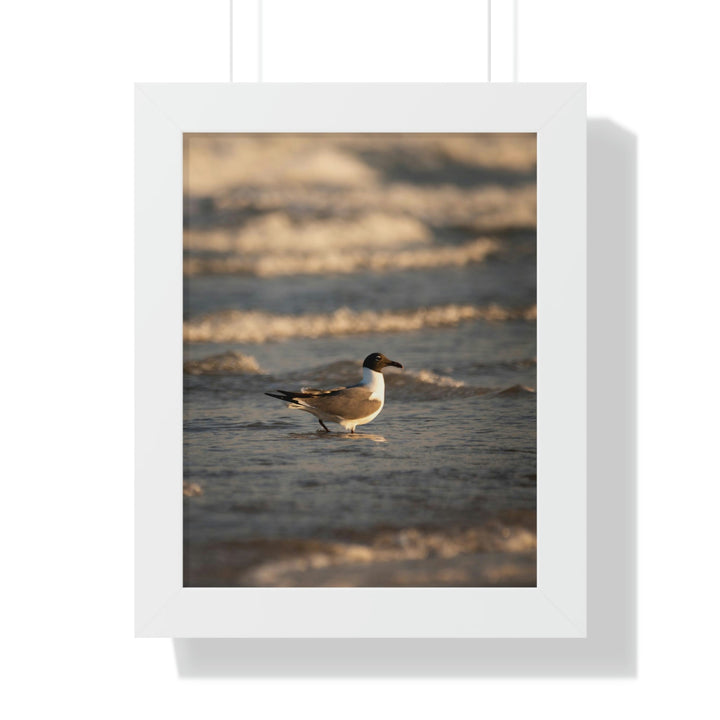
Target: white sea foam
{"x":216,"y":162}
{"x":392,"y":547}
{"x":276,"y":232}
{"x":422,"y":385}
{"x":484,"y":208}
{"x":426,"y":376}
{"x":344,"y":260}
{"x":256,"y":326}
{"x":227,"y":363}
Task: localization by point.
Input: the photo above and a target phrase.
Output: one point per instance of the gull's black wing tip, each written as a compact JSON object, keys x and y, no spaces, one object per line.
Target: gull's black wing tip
{"x":279,"y":397}
{"x":285,"y":396}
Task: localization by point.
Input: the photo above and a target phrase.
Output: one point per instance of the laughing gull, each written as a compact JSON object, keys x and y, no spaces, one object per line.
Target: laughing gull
{"x":347,"y":406}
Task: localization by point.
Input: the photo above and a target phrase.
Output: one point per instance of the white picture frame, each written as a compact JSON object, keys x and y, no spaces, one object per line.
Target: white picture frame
{"x":557,"y":607}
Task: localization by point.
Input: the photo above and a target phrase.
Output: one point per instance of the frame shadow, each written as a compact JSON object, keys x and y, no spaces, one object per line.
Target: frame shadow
{"x":610,"y":649}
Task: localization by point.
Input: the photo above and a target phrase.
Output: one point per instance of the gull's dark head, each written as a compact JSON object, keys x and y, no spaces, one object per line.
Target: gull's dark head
{"x":377,"y":361}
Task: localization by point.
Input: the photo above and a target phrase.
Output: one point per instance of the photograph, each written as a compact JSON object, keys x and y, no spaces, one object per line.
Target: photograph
{"x":384,"y":285}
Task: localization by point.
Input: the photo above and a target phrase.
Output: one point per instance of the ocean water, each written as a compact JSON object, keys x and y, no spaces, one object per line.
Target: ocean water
{"x":304,"y":254}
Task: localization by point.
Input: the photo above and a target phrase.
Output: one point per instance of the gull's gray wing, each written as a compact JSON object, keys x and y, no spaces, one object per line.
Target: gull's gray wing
{"x":351,"y":403}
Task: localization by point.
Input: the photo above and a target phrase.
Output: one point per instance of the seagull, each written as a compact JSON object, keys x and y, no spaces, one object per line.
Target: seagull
{"x":348,"y":406}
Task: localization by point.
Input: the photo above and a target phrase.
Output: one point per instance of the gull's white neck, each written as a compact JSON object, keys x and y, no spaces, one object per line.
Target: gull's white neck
{"x":375,"y":382}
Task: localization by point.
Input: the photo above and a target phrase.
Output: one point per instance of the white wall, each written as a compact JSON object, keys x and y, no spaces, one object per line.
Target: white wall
{"x":66,"y":291}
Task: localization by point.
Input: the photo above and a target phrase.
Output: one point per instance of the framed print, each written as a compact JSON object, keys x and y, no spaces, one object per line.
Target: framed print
{"x":405,"y":265}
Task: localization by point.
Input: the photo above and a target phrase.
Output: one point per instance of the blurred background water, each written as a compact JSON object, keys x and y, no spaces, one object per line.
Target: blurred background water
{"x":302,"y":255}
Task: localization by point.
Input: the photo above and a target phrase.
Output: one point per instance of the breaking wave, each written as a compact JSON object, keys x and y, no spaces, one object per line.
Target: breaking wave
{"x":339,"y":260}
{"x":407,"y":384}
{"x":227,"y":363}
{"x":515,"y":390}
{"x":488,"y":208}
{"x":416,"y":385}
{"x":276,"y":232}
{"x":341,"y":161}
{"x":427,"y":385}
{"x":501,"y":553}
{"x":256,"y":326}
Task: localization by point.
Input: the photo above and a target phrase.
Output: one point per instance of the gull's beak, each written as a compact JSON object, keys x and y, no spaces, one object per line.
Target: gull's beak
{"x":396,"y":364}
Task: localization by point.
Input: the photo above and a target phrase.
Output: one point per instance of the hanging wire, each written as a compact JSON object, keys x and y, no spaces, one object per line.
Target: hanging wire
{"x":515,"y":40}
{"x":260,"y":41}
{"x":489,"y":40}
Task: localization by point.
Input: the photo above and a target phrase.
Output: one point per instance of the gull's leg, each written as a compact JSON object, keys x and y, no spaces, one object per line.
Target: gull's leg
{"x":323,"y":424}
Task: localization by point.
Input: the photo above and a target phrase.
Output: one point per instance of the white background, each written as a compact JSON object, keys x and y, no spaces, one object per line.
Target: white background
{"x":66,"y":171}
